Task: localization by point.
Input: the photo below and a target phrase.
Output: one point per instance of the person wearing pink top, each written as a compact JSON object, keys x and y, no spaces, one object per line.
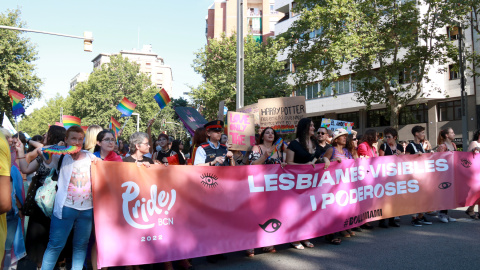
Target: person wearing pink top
{"x":366,"y":148}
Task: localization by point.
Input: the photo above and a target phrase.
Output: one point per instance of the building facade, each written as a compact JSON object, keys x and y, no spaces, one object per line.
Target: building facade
{"x":150,"y":63}
{"x":436,"y":111}
{"x":259,"y":21}
{"x":80,"y":77}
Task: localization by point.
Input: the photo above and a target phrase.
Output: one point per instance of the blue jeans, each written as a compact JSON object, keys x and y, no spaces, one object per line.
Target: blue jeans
{"x":81,"y":222}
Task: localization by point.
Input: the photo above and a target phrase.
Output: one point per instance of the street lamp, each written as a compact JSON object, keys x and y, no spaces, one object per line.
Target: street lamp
{"x":138,"y":120}
{"x":462,"y":88}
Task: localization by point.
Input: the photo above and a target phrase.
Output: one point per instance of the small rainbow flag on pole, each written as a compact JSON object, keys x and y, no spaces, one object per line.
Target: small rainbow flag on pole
{"x":115,"y":126}
{"x":17,"y":107}
{"x":69,"y":121}
{"x":278,"y":145}
{"x":162,"y":98}
{"x":126,"y":107}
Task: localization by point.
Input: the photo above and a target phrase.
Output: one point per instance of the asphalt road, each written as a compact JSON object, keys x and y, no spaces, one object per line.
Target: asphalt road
{"x":453,"y":245}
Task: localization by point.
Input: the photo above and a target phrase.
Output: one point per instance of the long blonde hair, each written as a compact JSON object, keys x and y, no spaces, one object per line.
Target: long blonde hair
{"x":91,"y":137}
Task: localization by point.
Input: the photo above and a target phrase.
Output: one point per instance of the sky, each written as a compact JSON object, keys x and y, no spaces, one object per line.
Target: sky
{"x":175,"y":29}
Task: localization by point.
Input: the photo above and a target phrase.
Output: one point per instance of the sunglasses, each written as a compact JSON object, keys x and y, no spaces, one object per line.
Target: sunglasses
{"x":321,"y":133}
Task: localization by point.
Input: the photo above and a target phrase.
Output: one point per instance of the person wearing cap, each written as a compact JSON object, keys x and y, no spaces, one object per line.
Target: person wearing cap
{"x":212,"y":152}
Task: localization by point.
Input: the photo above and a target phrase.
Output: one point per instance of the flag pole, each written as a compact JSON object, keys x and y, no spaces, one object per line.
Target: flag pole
{"x":124,"y":124}
{"x":155,"y":117}
{"x":16,"y":123}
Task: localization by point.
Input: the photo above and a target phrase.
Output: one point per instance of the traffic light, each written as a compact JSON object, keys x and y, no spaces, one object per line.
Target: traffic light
{"x":87,"y":42}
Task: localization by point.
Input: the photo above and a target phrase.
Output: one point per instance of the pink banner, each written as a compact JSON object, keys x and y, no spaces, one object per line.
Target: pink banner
{"x":149,"y":215}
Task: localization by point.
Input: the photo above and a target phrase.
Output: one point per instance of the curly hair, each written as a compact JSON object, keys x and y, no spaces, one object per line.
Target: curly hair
{"x":275,"y":135}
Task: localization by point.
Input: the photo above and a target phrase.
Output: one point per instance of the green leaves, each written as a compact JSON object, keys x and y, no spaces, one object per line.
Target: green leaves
{"x":17,"y":71}
{"x":216,"y":62}
{"x":377,"y":41}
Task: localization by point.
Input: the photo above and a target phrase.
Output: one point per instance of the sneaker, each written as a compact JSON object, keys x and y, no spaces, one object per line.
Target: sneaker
{"x":451,"y":219}
{"x":416,"y":222}
{"x":443,"y":218}
{"x":397,"y":218}
{"x":424,"y":221}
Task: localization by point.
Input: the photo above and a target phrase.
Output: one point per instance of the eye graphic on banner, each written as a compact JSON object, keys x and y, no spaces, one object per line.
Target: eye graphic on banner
{"x":209,"y":180}
{"x":444,"y":185}
{"x":271,"y":226}
{"x":465,"y":163}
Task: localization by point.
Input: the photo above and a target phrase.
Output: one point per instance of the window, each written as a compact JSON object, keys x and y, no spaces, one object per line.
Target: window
{"x":378,"y":118}
{"x":350,"y":117}
{"x":449,"y":111}
{"x":452,"y":32}
{"x":272,"y":9}
{"x":342,"y":86}
{"x":300,"y":92}
{"x":148,"y":64}
{"x":413,"y":114}
{"x":453,"y":72}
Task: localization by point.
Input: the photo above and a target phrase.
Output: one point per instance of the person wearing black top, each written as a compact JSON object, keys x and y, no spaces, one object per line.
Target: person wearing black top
{"x":389,"y":148}
{"x":305,"y":150}
{"x":416,"y":147}
{"x":139,"y":146}
{"x":322,"y":135}
{"x":166,"y":151}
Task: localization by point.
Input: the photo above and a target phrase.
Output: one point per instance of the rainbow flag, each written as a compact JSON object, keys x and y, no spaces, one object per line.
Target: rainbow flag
{"x":58,"y":124}
{"x":69,"y":121}
{"x":126,"y":107}
{"x":85,"y":128}
{"x":278,"y":145}
{"x":162,"y":98}
{"x":115,"y":126}
{"x":17,"y":107}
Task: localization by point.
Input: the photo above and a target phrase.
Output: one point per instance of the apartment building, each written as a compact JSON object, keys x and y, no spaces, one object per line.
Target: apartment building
{"x":80,"y":77}
{"x":259,"y":20}
{"x":435,"y":112}
{"x":150,"y":63}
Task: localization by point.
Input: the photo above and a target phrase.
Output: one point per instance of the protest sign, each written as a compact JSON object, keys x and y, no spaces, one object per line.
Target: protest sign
{"x":241,"y":130}
{"x":253,"y":109}
{"x":160,"y":213}
{"x":190,"y":118}
{"x":333,"y":125}
{"x":282,"y":114}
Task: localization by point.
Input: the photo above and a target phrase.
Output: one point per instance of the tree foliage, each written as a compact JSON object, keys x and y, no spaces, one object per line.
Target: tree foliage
{"x":37,"y":122}
{"x":17,"y":71}
{"x":216,"y":62}
{"x":95,"y":100}
{"x":390,"y":46}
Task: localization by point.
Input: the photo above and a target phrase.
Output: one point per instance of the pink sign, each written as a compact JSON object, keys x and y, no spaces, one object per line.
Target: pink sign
{"x":150,"y":215}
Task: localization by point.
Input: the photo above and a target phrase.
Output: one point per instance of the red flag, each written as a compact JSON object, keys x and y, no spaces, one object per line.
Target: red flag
{"x":173,"y":160}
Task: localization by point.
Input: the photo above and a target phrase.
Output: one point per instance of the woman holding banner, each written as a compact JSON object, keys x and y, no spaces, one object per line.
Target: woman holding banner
{"x":390,"y":148}
{"x":165,"y":151}
{"x":474,"y":147}
{"x":264,"y":153}
{"x":305,"y":150}
{"x":339,"y":152}
{"x":445,"y":144}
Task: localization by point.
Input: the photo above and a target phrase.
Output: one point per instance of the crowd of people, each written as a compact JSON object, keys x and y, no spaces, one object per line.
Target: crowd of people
{"x":67,"y":236}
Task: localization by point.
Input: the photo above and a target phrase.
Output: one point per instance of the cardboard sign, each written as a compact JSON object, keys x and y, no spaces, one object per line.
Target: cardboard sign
{"x":282,"y":114}
{"x":191,"y":118}
{"x":333,"y":125}
{"x":253,"y":109}
{"x":241,"y":130}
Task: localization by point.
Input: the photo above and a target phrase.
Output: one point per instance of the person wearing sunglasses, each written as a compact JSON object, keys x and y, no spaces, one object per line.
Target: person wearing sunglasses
{"x":389,"y":148}
{"x":322,"y":136}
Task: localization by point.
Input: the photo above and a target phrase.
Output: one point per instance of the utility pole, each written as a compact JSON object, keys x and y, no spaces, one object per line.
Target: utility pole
{"x":462,"y":87}
{"x":240,"y":55}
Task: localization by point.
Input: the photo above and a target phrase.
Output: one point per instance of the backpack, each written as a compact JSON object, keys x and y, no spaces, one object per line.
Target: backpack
{"x":45,"y":196}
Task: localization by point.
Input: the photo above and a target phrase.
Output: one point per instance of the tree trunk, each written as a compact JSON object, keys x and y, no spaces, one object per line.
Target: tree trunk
{"x":394,"y":114}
